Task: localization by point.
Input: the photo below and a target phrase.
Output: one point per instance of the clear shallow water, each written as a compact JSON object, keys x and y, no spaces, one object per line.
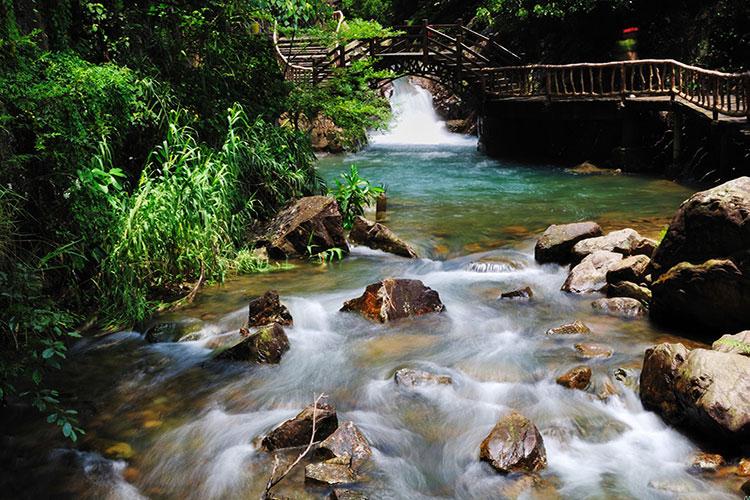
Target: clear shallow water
{"x":192,"y":424}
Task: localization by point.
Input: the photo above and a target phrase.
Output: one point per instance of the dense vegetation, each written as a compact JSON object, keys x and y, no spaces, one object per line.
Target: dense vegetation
{"x":138,"y":143}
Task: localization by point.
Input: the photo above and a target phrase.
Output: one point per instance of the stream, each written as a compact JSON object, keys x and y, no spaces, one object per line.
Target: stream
{"x":185,"y":427}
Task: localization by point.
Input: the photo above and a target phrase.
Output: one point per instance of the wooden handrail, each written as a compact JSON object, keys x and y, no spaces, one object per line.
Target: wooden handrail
{"x":726,"y":94}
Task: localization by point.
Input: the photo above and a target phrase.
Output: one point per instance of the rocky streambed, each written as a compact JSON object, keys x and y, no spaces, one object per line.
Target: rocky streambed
{"x":464,"y":348}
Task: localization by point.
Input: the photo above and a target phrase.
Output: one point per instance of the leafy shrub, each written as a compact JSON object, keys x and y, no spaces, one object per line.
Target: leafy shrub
{"x":353,"y":194}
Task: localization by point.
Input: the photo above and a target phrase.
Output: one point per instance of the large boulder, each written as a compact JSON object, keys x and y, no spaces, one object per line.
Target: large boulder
{"x":312,"y":222}
{"x":703,"y":262}
{"x":591,"y":274}
{"x":557,"y":241}
{"x":266,"y":345}
{"x":393,"y":298}
{"x":346,"y":442}
{"x":298,"y":430}
{"x":633,"y":268}
{"x":376,"y":235}
{"x":267,"y":309}
{"x":738,"y":343}
{"x":514,"y":445}
{"x":625,"y":242}
{"x":710,"y":224}
{"x":714,"y":294}
{"x":706,"y":391}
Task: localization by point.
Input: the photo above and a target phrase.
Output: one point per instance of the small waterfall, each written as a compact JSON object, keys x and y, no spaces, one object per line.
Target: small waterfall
{"x":415,"y":121}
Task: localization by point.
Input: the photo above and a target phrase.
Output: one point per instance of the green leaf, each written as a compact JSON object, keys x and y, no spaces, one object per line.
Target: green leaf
{"x":48,"y":353}
{"x":51,"y":418}
{"x":67,"y":430}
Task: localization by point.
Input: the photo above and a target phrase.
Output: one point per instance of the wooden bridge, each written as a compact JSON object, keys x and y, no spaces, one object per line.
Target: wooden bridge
{"x":470,"y":63}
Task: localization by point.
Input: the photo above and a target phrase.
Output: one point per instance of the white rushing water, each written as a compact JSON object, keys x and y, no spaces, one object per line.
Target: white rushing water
{"x":415,"y":122}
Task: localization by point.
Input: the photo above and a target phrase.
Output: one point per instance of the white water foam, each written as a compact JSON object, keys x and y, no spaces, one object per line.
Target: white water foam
{"x":415,"y":122}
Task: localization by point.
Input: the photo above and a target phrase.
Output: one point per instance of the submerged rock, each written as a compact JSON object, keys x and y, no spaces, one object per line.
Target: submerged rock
{"x":330,"y":473}
{"x":591,"y":350}
{"x":414,"y":378}
{"x":523,"y":293}
{"x":576,"y":378}
{"x":700,"y":389}
{"x":633,"y":268}
{"x":393,"y":298}
{"x":267,"y":309}
{"x":575,"y":328}
{"x":514,"y":445}
{"x":591,"y":274}
{"x":625,"y":242}
{"x":557,"y":241}
{"x":347,"y":442}
{"x":738,"y":343}
{"x":172,"y":331}
{"x":623,"y":307}
{"x":343,"y":494}
{"x":629,"y":289}
{"x":377,"y":236}
{"x":314,"y":221}
{"x":587,"y":168}
{"x":266,"y":345}
{"x":297,"y":431}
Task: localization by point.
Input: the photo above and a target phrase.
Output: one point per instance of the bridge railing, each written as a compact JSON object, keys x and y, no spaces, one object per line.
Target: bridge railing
{"x":721,"y":93}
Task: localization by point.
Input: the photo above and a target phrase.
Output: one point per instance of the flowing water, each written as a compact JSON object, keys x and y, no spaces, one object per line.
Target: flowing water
{"x":188,"y":426}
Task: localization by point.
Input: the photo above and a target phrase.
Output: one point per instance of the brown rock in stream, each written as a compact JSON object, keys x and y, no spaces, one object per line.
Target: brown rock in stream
{"x":514,"y":445}
{"x":623,"y":307}
{"x":701,"y":390}
{"x":376,"y":235}
{"x":523,"y":293}
{"x":738,"y":343}
{"x":330,"y":473}
{"x":344,"y":494}
{"x":625,"y":242}
{"x":591,"y":274}
{"x":557,"y":241}
{"x":393,"y":298}
{"x":630,"y":290}
{"x":591,"y":350}
{"x":576,"y":378}
{"x":267,"y":309}
{"x":706,"y":462}
{"x":266,"y":345}
{"x":633,"y":268}
{"x":297,"y":431}
{"x":575,"y":328}
{"x":312,"y":221}
{"x":347,"y":442}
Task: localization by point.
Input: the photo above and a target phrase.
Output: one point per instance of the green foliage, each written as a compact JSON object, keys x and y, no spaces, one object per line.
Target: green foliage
{"x":192,"y":206}
{"x":249,"y":262}
{"x":353,"y":193}
{"x":377,"y":10}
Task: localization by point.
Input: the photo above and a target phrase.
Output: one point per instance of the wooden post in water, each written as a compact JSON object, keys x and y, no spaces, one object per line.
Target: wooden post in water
{"x":381,"y":206}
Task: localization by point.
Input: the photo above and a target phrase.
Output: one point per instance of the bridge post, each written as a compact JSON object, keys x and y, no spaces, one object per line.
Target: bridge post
{"x":342,"y":55}
{"x":425,"y":42}
{"x":372,"y":48}
{"x":459,"y":57}
{"x":315,"y":71}
{"x":548,"y":85}
{"x":747,"y":96}
{"x":715,"y":107}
